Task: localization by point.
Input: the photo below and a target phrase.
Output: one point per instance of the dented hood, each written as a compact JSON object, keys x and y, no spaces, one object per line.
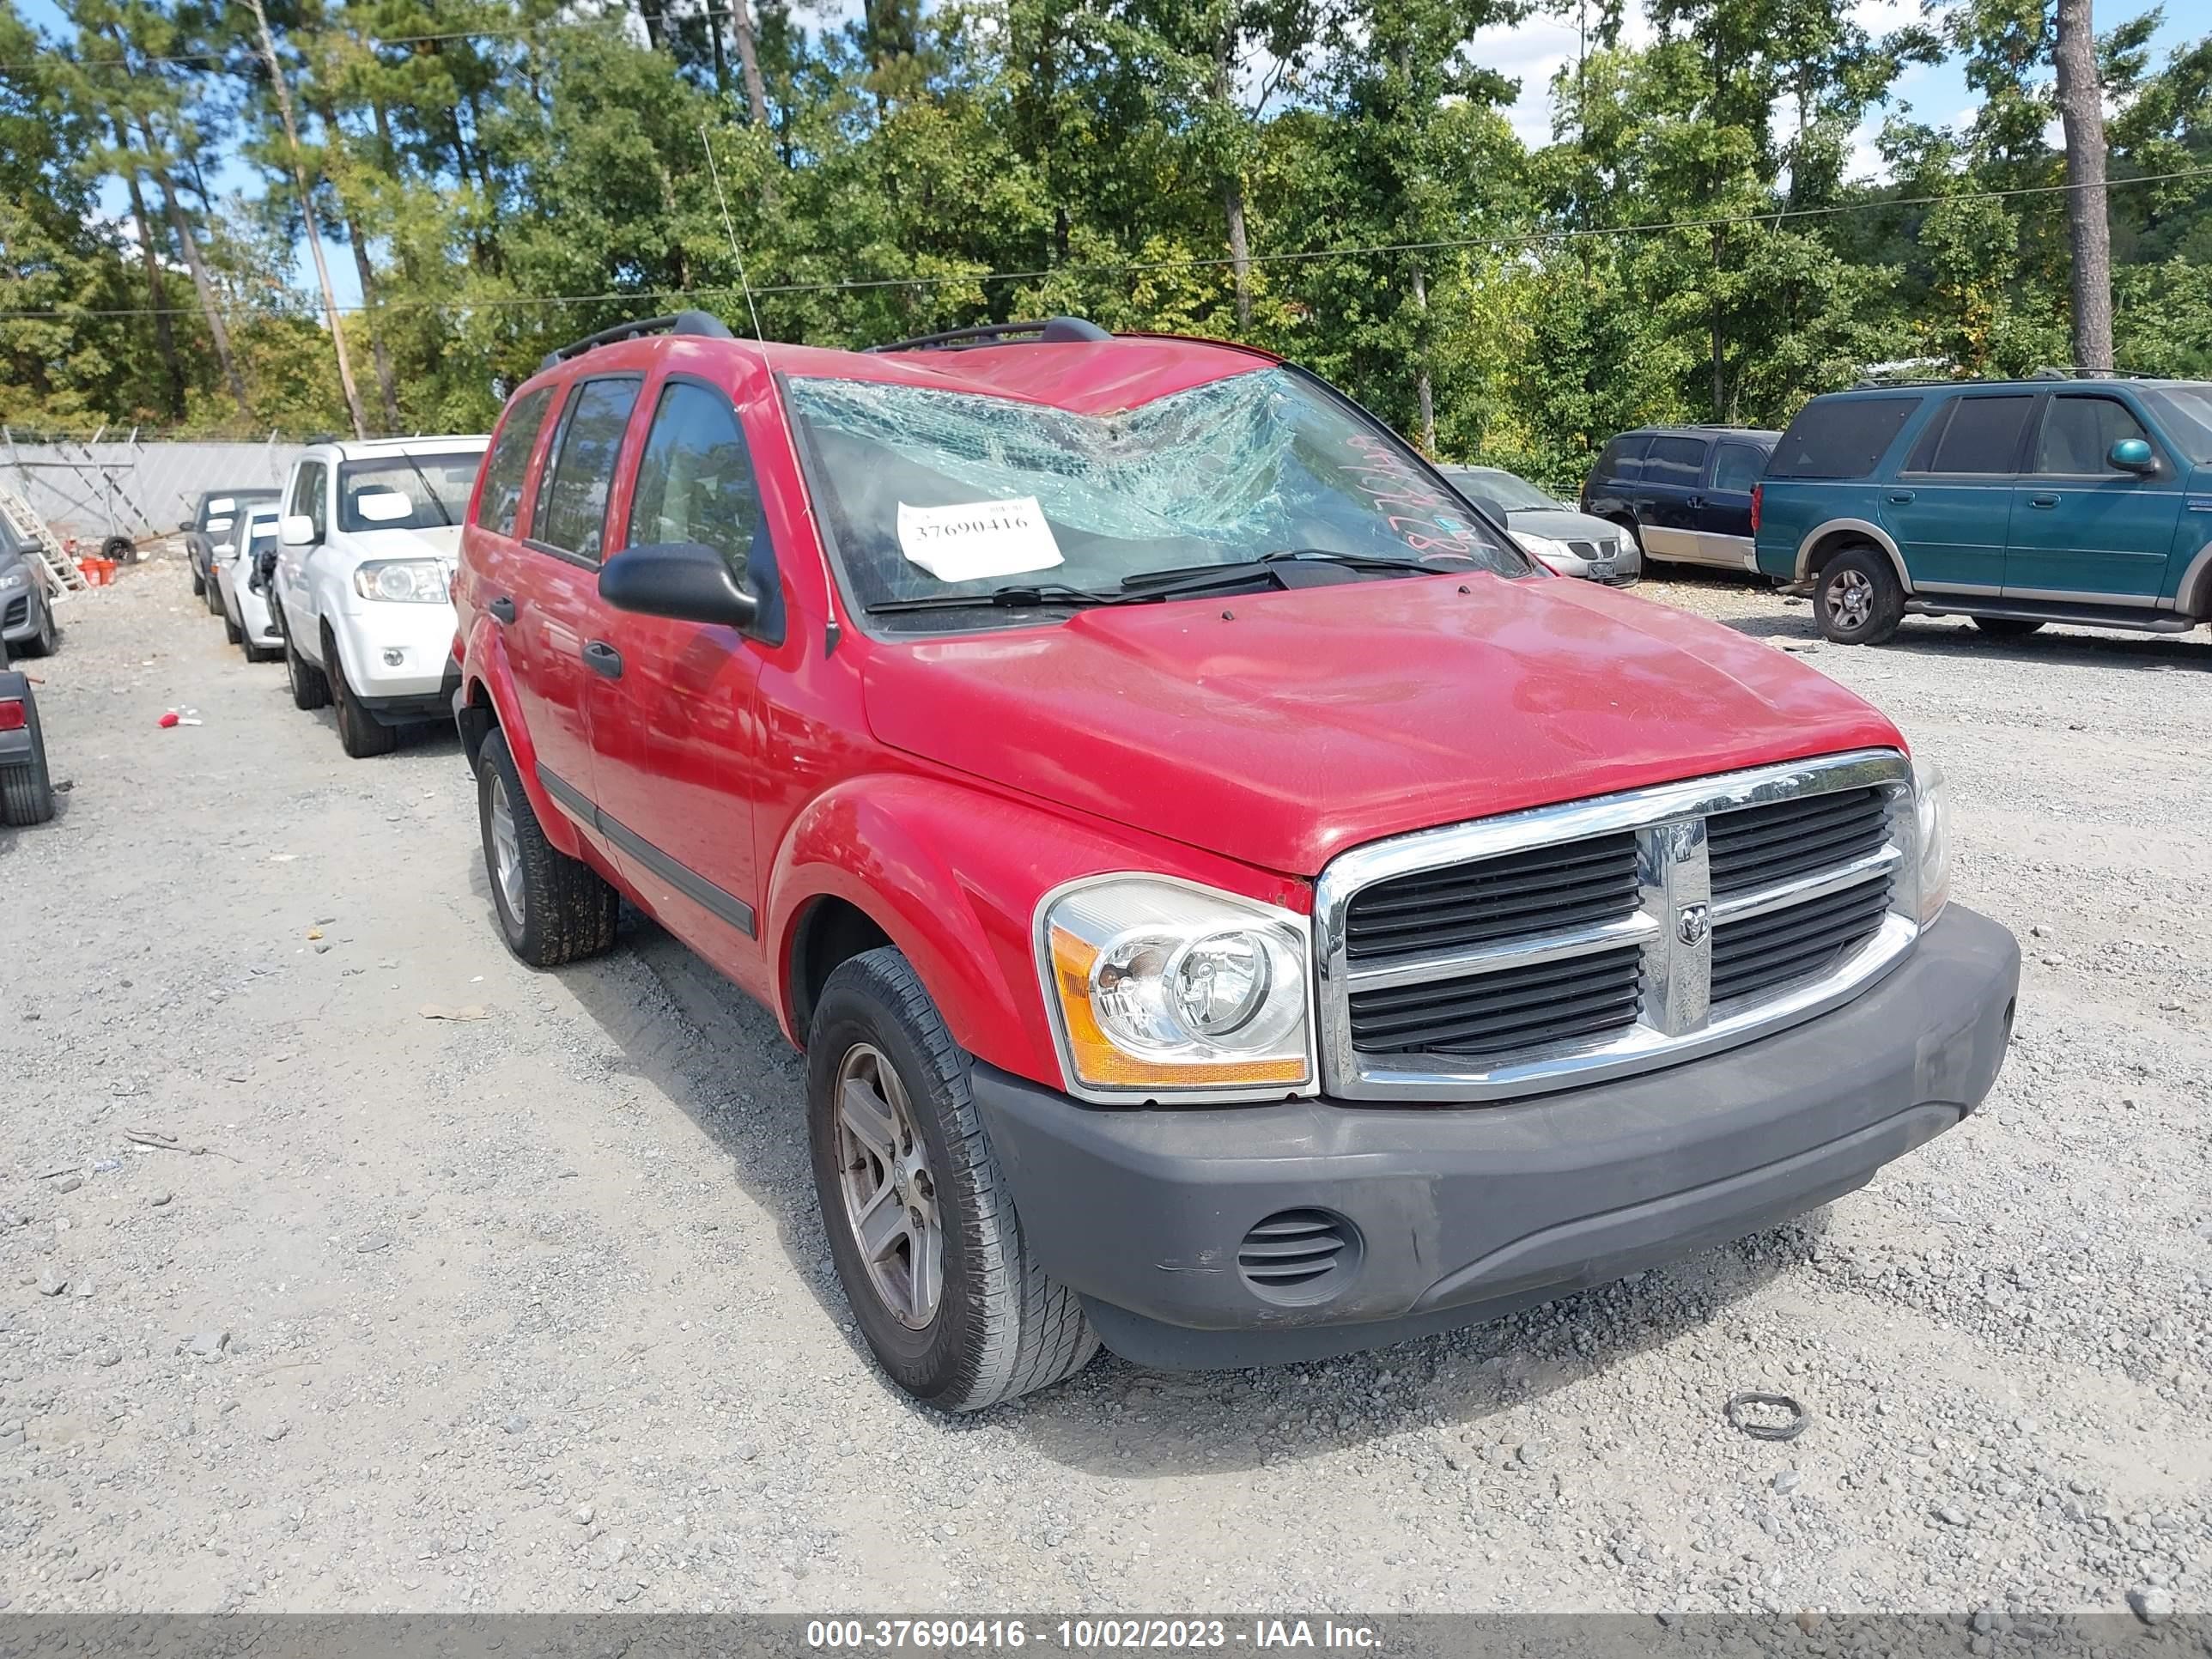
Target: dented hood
{"x":1281,"y":728}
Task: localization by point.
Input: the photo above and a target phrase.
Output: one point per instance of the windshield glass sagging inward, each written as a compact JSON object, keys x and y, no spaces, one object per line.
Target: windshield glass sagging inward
{"x":933,"y":492}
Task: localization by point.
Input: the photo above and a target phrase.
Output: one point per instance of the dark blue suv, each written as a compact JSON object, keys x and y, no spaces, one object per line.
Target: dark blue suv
{"x":1684,"y":492}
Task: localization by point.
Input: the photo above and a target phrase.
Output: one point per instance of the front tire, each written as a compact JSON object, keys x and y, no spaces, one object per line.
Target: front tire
{"x":2007,"y":627}
{"x":48,"y":638}
{"x":232,"y":633}
{"x":199,"y":585}
{"x":1858,"y":599}
{"x":921,"y":1225}
{"x":552,"y":909}
{"x":361,"y":734}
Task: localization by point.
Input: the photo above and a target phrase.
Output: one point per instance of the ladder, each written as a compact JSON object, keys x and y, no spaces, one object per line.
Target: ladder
{"x":60,"y":570}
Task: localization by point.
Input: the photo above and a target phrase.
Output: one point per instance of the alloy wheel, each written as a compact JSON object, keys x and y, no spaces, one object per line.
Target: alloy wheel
{"x":505,"y":850}
{"x":1850,"y":600}
{"x":891,"y":1195}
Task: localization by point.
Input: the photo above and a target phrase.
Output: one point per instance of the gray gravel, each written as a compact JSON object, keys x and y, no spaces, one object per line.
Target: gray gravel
{"x":533,"y":1312}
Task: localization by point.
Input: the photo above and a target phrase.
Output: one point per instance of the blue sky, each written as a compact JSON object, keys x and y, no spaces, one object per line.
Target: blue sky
{"x":1530,"y":51}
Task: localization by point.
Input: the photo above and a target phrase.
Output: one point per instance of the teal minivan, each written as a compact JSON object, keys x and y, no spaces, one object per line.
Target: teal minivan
{"x":2015,"y":502}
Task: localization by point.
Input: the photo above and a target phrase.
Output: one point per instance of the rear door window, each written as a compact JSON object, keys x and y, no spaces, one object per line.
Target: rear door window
{"x":1622,"y":458}
{"x":1982,"y":434}
{"x":572,"y":502}
{"x":2078,"y":435}
{"x":1840,"y":438}
{"x":499,"y":504}
{"x":1737,"y":467}
{"x":1678,"y":463}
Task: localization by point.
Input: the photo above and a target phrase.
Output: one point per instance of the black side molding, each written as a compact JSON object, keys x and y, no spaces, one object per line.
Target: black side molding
{"x":724,"y":904}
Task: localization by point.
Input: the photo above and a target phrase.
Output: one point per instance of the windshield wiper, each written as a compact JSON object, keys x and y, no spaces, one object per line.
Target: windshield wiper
{"x":1270,"y":564}
{"x":1023,"y":595}
{"x":444,"y":517}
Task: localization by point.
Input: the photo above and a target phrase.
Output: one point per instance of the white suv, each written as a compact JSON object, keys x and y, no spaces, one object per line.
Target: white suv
{"x":370,"y":535}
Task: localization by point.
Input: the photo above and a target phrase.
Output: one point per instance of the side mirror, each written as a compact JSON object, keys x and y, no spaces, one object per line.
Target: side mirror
{"x":186,"y":524}
{"x":1489,"y":507}
{"x":681,"y":581}
{"x":299,"y":529}
{"x":2132,"y":455}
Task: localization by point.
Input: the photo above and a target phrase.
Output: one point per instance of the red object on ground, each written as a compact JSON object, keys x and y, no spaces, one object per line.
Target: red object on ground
{"x":98,"y":573}
{"x":167,"y":719}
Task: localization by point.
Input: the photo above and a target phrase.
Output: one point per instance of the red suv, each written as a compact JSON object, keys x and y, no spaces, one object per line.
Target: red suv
{"x":1234,"y":905}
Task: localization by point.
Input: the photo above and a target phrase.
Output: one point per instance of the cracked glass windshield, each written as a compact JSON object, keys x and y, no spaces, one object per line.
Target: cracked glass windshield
{"x":934,"y":497}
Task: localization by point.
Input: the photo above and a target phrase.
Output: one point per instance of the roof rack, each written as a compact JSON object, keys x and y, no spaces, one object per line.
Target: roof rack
{"x":1051,"y":330}
{"x":701,"y":323}
{"x":2081,"y":372}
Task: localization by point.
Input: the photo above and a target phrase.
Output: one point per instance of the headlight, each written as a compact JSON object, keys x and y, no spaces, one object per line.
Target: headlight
{"x":1154,"y":985}
{"x":409,"y":581}
{"x":13,"y":577}
{"x":1931,"y":806}
{"x":1554,"y":553}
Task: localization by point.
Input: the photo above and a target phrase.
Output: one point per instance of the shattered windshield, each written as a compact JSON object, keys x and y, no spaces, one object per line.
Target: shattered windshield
{"x":931,"y":493}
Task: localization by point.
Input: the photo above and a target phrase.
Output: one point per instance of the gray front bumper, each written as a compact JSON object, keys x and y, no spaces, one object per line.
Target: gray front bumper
{"x":1460,"y":1213}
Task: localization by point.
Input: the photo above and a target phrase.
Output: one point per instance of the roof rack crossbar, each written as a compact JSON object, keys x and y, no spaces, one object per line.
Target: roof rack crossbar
{"x":701,"y":323}
{"x":1051,"y":330}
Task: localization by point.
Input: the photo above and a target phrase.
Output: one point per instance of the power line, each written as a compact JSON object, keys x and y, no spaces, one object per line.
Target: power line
{"x":862,"y":284}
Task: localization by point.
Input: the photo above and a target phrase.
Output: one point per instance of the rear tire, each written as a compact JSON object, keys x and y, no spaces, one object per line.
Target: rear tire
{"x":919,"y":1175}
{"x":311,"y":687}
{"x":552,"y":909}
{"x":1858,"y":599}
{"x":361,"y":734}
{"x":26,"y":792}
{"x":2006,"y":628}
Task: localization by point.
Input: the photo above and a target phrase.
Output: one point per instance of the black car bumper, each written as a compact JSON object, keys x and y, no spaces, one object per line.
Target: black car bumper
{"x":422,"y":706}
{"x":1453,"y":1214}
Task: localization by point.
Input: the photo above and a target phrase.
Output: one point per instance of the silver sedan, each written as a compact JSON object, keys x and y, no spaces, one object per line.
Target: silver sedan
{"x":1571,"y":542}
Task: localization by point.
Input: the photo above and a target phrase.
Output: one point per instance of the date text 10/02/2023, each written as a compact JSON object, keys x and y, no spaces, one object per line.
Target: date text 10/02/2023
{"x":1089,"y":1635}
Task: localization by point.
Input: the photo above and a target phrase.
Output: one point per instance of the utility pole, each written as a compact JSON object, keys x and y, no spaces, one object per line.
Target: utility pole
{"x":307,"y":216}
{"x":2089,"y":232}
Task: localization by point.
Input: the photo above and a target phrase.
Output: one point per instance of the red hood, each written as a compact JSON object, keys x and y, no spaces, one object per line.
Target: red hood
{"x":1281,"y":728}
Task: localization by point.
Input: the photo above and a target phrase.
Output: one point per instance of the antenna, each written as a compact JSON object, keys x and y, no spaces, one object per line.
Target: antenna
{"x":731,"y":231}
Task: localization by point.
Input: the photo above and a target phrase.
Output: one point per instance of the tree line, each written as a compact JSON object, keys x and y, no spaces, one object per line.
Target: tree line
{"x":1333,"y":180}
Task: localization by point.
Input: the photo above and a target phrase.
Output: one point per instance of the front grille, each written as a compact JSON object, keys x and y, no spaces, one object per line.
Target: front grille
{"x":1762,"y":953}
{"x":1542,"y":891}
{"x":1596,"y":550}
{"x":18,"y":611}
{"x":1526,"y":1007}
{"x":1763,"y":845}
{"x":1554,"y":947}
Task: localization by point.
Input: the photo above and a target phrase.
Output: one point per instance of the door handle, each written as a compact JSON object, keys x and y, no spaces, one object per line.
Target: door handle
{"x":501,"y":609}
{"x":1695,"y":500}
{"x":2043,"y":501}
{"x":1901,"y":496}
{"x":603,"y":658}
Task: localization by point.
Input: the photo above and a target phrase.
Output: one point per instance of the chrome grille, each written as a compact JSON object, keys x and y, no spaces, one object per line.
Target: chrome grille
{"x":1549,"y":948}
{"x":1759,"y":845}
{"x":1539,"y":891}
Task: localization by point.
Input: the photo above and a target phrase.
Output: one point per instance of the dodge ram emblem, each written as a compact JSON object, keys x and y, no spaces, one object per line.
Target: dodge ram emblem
{"x":1693,"y":924}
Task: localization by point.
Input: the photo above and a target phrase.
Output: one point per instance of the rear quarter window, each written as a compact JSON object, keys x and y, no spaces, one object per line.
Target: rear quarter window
{"x":1845,"y":438}
{"x":499,"y":503}
{"x":1621,"y":458}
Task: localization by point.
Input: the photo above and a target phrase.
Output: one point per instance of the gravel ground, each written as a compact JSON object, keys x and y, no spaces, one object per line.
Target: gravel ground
{"x":533,"y":1312}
